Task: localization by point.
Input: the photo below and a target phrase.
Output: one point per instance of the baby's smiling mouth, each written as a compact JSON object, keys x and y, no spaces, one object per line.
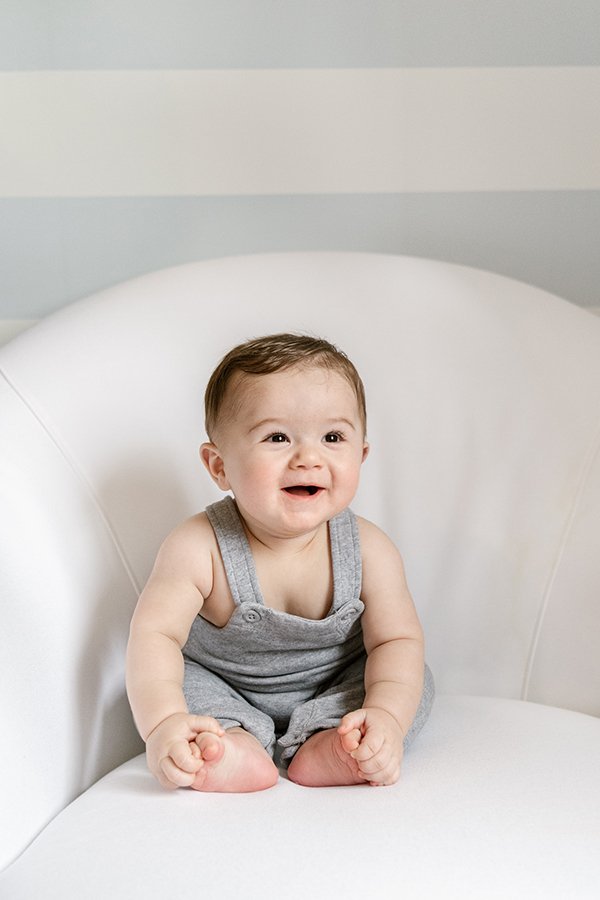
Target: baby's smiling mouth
{"x":303,"y":490}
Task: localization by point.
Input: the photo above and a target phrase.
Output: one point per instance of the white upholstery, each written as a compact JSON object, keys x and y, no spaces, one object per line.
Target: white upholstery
{"x":484,"y":419}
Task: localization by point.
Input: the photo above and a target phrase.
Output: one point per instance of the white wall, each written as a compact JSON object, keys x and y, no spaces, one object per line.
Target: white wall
{"x":137,"y":135}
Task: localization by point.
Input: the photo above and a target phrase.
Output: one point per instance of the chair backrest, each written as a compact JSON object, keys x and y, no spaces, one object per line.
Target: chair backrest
{"x":484,"y":412}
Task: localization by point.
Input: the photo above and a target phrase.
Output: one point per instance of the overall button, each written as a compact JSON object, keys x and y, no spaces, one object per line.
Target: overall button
{"x":350,"y":612}
{"x":252,"y":615}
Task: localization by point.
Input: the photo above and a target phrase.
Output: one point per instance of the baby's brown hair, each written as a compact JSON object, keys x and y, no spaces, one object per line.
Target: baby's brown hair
{"x":275,"y":353}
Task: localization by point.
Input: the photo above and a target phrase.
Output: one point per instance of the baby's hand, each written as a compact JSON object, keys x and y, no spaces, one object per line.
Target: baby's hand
{"x":374,"y":739}
{"x":172,"y":754}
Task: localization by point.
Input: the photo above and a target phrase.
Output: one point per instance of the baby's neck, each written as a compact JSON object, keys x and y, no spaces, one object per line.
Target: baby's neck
{"x":295,"y":574}
{"x":261,"y":540}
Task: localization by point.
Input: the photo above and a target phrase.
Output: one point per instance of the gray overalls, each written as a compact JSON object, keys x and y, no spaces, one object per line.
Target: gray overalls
{"x":280,"y":676}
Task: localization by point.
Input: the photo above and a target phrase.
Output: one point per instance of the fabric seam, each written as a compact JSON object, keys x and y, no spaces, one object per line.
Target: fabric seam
{"x":586,"y":469}
{"x":69,"y":459}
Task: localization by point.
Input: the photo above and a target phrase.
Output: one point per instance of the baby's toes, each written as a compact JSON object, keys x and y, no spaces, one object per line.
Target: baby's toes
{"x":210,"y":746}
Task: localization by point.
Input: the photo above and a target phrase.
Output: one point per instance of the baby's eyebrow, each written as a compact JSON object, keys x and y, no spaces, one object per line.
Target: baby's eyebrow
{"x":275,"y":423}
{"x":283,"y":424}
{"x":344,"y":421}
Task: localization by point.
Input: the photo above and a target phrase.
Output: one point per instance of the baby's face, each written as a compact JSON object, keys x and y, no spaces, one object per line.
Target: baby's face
{"x":293,"y":449}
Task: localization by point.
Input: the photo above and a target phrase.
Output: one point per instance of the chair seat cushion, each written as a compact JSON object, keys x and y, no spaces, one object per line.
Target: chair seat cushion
{"x":498,"y":798}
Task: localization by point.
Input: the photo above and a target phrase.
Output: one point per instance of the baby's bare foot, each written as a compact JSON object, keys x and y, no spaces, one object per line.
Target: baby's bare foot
{"x":324,"y":760}
{"x":233,"y":763}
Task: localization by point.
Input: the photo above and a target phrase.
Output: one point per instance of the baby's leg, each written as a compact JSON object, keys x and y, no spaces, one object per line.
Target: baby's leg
{"x":233,"y":763}
{"x":325,"y":760}
{"x":238,"y":761}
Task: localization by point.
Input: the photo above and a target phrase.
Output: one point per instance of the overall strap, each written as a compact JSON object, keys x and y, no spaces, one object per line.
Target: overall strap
{"x":235,"y":551}
{"x":345,"y":558}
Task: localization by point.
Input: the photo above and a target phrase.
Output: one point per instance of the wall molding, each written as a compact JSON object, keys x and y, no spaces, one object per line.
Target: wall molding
{"x":10,"y":328}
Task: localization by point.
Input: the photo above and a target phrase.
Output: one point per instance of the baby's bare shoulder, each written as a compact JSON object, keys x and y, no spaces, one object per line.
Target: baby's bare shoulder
{"x":191,"y":531}
{"x":373,"y":540}
{"x":381,"y":559}
{"x":187,"y":553}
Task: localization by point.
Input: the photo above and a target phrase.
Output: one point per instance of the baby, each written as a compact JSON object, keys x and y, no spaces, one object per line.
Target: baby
{"x":277,"y":624}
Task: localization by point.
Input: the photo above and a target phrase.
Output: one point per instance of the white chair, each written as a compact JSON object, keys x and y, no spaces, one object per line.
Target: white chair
{"x":484,"y":414}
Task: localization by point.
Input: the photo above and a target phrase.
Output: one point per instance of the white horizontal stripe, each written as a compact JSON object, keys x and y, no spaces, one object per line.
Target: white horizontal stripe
{"x":240,"y":132}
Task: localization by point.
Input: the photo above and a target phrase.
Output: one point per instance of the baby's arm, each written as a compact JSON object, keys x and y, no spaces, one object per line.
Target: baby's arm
{"x":393,"y":637}
{"x":167,"y":606}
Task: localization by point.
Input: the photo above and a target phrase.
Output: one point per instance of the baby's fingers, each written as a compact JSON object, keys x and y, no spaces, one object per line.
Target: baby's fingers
{"x":369,"y":746}
{"x":385,"y":777}
{"x":205,"y":723}
{"x":383,"y":767}
{"x":379,"y":762}
{"x":183,"y":756}
{"x":352,"y":720}
{"x":171,"y":776}
{"x":351,"y":740}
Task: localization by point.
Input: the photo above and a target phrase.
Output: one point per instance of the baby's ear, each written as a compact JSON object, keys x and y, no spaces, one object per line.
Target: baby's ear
{"x":212,"y":459}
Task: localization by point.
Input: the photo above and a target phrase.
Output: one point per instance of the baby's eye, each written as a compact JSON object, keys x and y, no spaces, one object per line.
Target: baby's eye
{"x":333,"y":437}
{"x":277,"y":438}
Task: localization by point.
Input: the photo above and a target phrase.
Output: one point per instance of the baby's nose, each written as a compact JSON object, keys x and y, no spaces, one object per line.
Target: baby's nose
{"x":307,"y":456}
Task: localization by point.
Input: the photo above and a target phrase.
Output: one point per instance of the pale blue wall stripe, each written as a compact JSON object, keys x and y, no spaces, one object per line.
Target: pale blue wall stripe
{"x":58,"y":250}
{"x":123,"y":34}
